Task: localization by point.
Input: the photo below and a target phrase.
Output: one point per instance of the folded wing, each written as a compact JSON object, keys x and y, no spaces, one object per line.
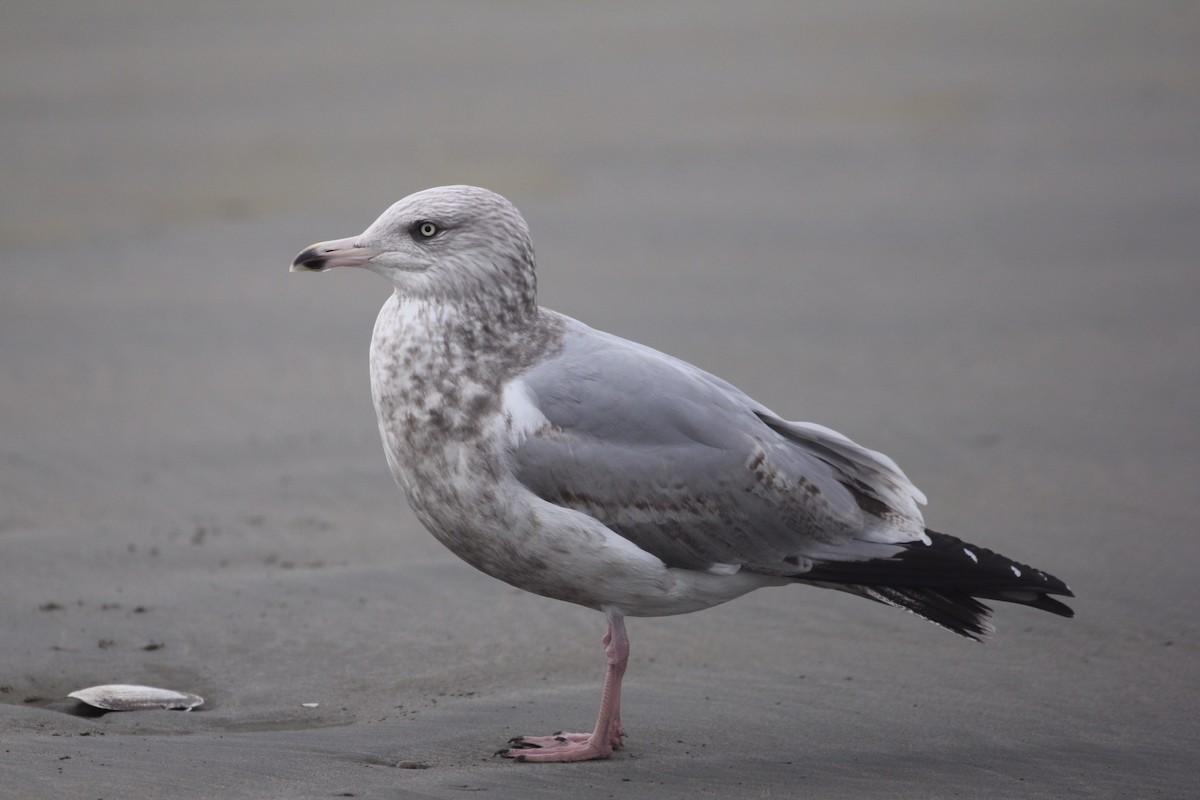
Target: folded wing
{"x":691,"y":469}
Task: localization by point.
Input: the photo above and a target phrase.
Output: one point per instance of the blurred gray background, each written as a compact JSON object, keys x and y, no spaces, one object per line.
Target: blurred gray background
{"x":966,"y":234}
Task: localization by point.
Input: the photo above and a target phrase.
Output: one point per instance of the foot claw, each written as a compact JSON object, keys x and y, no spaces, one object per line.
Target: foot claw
{"x":559,"y":746}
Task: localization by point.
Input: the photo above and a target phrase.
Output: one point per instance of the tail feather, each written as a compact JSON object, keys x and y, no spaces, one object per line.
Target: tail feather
{"x":955,"y":611}
{"x":941,"y":581}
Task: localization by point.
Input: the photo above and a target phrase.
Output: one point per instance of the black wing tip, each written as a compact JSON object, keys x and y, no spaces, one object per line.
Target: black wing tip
{"x":956,"y":611}
{"x":943,"y":582}
{"x":1055,"y":607}
{"x":1044,"y":602}
{"x":999,"y":572}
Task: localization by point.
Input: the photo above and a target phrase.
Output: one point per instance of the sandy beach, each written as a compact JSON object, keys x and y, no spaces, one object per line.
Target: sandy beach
{"x":965,"y":235}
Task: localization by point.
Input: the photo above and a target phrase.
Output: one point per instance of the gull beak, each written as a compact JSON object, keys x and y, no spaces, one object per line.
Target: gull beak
{"x":338,"y":253}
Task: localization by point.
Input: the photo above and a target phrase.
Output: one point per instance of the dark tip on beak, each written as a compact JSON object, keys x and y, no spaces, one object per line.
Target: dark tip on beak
{"x":337,"y":253}
{"x":311,"y":260}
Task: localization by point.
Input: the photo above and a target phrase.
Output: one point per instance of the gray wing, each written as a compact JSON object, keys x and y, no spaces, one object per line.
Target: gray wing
{"x":694,"y":471}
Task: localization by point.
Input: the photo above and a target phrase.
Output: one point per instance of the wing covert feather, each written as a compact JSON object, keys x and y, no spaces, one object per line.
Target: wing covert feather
{"x":694,"y":471}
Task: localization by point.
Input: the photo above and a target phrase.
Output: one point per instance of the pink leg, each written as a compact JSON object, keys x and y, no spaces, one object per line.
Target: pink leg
{"x":601,"y":742}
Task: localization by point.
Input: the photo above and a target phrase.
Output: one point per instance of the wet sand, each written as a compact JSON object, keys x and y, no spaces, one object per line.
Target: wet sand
{"x":964,"y":236}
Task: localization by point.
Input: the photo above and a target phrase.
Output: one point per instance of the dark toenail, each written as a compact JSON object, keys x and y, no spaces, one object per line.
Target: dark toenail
{"x":560,"y":738}
{"x":519,"y":758}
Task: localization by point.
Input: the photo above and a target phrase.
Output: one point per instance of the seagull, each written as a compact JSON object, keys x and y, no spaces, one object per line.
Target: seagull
{"x":584,"y":467}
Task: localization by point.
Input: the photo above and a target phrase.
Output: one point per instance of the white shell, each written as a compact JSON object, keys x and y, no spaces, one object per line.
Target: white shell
{"x":127,"y":697}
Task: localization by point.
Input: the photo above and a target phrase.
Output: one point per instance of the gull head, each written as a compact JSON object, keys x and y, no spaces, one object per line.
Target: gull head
{"x":449,"y":243}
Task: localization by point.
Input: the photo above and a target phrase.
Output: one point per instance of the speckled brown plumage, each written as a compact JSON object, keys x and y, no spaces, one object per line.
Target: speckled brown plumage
{"x":587,"y":468}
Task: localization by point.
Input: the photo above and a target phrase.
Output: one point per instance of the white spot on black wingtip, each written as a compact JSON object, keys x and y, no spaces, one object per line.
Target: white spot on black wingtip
{"x":971,"y":555}
{"x":1016,"y":571}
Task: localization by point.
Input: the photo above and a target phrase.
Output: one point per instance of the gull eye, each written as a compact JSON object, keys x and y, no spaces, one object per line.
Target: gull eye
{"x":426,"y":229}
